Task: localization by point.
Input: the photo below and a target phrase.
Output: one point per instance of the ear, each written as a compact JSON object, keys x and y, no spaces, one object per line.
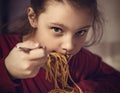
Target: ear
{"x":32,"y":17}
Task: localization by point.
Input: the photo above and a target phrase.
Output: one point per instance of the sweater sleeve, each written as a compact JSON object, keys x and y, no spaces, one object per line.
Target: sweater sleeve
{"x":95,"y":76}
{"x":6,"y":83}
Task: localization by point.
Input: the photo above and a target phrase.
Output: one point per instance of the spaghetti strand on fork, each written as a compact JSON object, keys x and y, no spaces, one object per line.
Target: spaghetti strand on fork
{"x":57,"y":70}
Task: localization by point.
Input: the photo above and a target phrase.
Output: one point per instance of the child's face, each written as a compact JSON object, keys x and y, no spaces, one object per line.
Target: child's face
{"x":61,"y":28}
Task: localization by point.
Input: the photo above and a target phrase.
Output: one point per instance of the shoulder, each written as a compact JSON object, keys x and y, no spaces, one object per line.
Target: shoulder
{"x":90,"y":62}
{"x":7,"y":42}
{"x":85,"y":60}
{"x":9,"y":37}
{"x":87,"y":55}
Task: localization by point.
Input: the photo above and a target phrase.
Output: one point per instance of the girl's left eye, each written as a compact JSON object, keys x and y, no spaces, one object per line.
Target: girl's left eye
{"x":56,"y":29}
{"x":81,"y":33}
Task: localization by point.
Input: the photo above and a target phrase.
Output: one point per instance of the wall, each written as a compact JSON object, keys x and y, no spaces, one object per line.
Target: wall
{"x":109,"y":48}
{"x":17,"y":8}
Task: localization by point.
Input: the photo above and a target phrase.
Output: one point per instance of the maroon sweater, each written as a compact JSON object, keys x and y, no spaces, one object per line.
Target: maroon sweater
{"x":86,"y":69}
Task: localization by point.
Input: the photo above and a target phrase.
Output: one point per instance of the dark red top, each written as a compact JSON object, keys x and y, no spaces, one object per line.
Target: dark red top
{"x":86,"y":68}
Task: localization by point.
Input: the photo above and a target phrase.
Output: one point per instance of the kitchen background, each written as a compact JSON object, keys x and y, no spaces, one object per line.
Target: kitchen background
{"x":108,"y":48}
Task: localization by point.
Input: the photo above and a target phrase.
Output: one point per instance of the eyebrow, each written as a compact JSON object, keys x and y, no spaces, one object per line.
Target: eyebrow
{"x":62,"y":25}
{"x":87,"y":26}
{"x":59,"y":24}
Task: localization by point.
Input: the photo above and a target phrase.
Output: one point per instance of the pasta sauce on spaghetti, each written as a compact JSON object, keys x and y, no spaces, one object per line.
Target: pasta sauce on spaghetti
{"x":57,"y":70}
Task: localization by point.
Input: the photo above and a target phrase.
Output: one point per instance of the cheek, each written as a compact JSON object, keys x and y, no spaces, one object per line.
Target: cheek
{"x":79,"y":43}
{"x":51,"y":47}
{"x":50,"y":44}
{"x":45,"y":39}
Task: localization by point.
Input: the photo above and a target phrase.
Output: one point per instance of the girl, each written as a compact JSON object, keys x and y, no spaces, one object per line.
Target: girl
{"x":55,"y":26}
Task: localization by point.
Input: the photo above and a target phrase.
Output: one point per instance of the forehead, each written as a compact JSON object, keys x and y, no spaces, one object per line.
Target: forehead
{"x":66,"y":14}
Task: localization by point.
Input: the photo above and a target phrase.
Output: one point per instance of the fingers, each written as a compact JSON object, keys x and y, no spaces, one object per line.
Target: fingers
{"x":38,"y":53}
{"x":23,"y":64}
{"x":28,"y":45}
{"x":32,"y":51}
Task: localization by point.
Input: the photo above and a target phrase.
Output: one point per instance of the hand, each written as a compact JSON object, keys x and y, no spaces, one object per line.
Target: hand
{"x":26,"y":63}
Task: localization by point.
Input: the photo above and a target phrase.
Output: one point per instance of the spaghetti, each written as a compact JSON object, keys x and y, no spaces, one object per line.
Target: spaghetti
{"x":57,"y":70}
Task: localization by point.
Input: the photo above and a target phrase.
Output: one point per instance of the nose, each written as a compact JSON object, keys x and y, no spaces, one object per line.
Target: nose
{"x":68,"y":45}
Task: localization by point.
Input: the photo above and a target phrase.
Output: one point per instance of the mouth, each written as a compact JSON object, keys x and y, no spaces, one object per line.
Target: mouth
{"x":55,"y":55}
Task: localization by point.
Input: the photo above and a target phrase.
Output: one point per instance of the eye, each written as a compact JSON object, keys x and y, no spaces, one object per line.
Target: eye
{"x":56,"y":29}
{"x":81,"y":33}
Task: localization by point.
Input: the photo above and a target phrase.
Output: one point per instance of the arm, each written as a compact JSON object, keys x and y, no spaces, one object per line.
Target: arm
{"x":16,"y":64}
{"x":6,"y":83}
{"x":104,"y":80}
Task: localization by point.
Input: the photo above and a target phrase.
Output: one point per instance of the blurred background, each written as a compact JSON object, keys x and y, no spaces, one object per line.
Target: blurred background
{"x":108,"y":48}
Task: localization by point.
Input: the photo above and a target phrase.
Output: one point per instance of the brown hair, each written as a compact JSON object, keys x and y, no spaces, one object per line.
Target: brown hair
{"x":40,"y":6}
